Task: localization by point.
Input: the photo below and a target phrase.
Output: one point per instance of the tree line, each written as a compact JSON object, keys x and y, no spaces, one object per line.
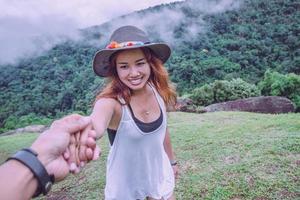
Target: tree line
{"x":249,"y":44}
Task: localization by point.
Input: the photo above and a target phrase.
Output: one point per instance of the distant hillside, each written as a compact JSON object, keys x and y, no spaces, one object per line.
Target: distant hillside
{"x":242,"y":40}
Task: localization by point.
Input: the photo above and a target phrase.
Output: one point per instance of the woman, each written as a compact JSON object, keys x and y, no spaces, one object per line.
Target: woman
{"x":132,"y":108}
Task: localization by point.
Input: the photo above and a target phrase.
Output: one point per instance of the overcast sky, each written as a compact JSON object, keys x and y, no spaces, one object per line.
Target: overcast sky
{"x":83,"y":12}
{"x":31,"y":27}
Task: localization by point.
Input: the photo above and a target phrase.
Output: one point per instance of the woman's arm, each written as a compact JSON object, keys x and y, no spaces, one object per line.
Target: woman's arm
{"x":170,"y":153}
{"x":102,"y":114}
{"x":168,"y":146}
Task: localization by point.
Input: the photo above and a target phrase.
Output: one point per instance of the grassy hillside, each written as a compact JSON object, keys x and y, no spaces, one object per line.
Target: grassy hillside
{"x":222,"y":155}
{"x":242,"y":42}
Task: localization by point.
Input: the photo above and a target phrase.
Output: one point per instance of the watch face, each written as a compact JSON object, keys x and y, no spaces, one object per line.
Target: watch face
{"x":48,"y":186}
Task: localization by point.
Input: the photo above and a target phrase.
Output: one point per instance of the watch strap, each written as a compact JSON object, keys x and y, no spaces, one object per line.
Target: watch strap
{"x":173,"y":162}
{"x":28,"y":157}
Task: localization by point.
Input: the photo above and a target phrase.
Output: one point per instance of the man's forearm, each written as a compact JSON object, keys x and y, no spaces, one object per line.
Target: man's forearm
{"x":17,"y":181}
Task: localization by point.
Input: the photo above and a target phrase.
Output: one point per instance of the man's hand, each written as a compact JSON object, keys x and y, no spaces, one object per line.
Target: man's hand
{"x":54,"y":145}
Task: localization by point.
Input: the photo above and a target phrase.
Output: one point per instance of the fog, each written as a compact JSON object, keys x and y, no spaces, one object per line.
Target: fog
{"x":29,"y":28}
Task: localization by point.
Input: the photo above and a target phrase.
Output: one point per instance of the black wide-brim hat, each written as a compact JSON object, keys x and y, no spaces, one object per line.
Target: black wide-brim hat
{"x":127,"y":37}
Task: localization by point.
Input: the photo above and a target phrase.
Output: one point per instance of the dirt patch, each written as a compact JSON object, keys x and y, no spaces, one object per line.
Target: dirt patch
{"x":272,"y":169}
{"x":229,"y":177}
{"x":296,"y":179}
{"x":231,"y":159}
{"x":188,"y":166}
{"x":285,"y":194}
{"x":250,"y":180}
{"x":237,"y":198}
{"x":60,"y":195}
{"x":261,"y":198}
{"x":81,"y":179}
{"x":191,"y":147}
{"x":203,"y":193}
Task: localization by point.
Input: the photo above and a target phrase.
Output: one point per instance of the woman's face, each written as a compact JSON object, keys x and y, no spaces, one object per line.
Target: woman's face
{"x":133,"y":69}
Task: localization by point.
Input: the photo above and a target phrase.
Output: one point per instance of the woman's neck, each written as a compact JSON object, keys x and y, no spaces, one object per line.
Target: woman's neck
{"x":142,"y":93}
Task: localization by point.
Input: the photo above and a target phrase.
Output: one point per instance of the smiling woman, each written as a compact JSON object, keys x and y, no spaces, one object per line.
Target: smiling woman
{"x":132,"y":108}
{"x":133,"y":69}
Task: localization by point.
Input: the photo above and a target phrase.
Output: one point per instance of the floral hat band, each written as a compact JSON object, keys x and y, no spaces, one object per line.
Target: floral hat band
{"x":115,"y":45}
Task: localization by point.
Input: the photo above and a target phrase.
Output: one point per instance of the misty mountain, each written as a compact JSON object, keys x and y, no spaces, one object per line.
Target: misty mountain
{"x":211,"y":40}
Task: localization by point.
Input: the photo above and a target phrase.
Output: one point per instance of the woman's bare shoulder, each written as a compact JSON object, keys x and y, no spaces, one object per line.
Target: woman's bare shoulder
{"x":105,"y":102}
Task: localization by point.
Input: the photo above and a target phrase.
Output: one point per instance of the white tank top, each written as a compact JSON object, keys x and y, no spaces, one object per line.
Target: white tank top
{"x":137,"y":164}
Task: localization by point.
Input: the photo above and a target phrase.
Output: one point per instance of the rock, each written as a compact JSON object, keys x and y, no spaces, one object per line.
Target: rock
{"x":27,"y":129}
{"x":183,"y":104}
{"x":262,"y":104}
{"x":186,"y":105}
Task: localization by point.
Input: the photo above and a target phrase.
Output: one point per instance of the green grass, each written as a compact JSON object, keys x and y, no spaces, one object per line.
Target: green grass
{"x":224,"y":155}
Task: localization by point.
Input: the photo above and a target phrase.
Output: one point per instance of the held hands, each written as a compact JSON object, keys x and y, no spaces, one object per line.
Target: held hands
{"x":82,"y":149}
{"x":67,"y":146}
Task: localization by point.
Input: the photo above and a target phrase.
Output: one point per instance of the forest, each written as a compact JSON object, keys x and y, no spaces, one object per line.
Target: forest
{"x":255,"y":45}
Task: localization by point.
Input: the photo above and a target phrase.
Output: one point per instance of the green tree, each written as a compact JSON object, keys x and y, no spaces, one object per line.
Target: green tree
{"x":286,"y":85}
{"x":222,"y":90}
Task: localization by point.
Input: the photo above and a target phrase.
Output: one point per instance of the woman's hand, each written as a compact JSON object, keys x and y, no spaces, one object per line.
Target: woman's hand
{"x":82,"y":149}
{"x":176,"y":171}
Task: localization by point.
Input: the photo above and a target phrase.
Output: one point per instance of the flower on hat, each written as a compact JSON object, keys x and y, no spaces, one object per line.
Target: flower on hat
{"x":114,"y":44}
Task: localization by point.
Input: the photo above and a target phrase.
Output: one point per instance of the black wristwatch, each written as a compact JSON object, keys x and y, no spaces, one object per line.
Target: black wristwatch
{"x":28,"y":157}
{"x":173,"y":162}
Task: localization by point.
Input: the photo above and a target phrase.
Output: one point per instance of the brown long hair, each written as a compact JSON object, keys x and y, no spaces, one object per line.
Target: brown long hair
{"x":159,"y":78}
